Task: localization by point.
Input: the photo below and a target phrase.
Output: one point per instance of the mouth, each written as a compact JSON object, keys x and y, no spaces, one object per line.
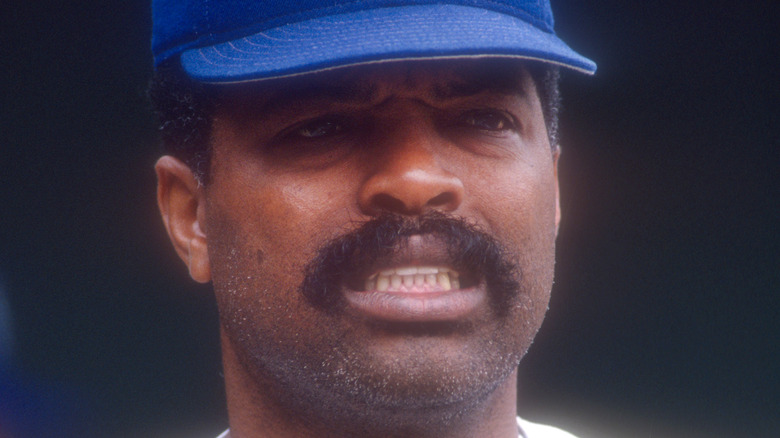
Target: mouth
{"x":394,"y":269}
{"x":417,"y":293}
{"x":414,"y":279}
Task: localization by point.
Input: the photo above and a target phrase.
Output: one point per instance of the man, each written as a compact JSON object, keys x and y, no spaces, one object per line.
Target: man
{"x":371,"y":187}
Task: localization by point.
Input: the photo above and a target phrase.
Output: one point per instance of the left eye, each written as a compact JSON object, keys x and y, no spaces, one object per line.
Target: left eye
{"x":320,"y":128}
{"x":487,"y":120}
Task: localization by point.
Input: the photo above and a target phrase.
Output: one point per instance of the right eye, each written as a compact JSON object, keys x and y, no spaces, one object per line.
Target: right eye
{"x":319,"y":128}
{"x":314,"y":143}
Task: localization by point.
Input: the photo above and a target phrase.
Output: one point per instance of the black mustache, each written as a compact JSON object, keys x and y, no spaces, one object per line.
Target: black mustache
{"x":468,"y":247}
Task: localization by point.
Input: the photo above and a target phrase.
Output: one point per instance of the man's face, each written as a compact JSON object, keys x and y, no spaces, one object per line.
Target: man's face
{"x":405,"y":148}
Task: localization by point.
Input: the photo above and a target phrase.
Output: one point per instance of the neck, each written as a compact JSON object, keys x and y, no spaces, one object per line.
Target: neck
{"x":256,"y":408}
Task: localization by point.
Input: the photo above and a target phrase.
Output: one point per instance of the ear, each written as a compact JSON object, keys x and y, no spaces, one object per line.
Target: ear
{"x":556,"y":155}
{"x":182,"y":205}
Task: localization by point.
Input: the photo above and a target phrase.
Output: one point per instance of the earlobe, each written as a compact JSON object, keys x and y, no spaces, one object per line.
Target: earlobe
{"x":181,"y":200}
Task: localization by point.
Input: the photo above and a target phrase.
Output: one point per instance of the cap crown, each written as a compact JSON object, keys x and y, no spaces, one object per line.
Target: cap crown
{"x":179,"y":25}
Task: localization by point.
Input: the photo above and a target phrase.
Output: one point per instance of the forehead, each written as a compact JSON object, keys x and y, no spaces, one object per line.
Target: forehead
{"x":434,"y":81}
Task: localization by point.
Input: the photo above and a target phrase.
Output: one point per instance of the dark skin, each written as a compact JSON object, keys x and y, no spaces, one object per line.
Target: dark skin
{"x":298,"y":162}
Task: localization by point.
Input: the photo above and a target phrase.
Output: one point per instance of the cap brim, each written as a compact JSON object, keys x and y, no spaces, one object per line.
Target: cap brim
{"x":379,"y":35}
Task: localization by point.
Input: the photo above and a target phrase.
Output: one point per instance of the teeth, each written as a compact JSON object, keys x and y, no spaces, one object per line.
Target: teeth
{"x":406,"y":271}
{"x":408,"y":277}
{"x":444,"y":280}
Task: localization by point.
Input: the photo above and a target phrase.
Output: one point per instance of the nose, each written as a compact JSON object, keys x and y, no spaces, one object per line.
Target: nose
{"x":408,"y":178}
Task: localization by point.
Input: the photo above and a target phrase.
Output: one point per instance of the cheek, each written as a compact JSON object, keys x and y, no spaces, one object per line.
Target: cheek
{"x":517,"y":201}
{"x":285,"y":223}
{"x":276,"y":221}
{"x":281,"y":212}
{"x":260,"y":239}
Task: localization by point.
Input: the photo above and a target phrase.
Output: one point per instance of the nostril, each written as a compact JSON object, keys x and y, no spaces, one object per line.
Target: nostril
{"x":441,"y":199}
{"x":385,"y":202}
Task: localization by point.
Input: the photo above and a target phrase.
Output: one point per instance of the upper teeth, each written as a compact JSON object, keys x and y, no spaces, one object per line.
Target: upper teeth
{"x":418,"y":277}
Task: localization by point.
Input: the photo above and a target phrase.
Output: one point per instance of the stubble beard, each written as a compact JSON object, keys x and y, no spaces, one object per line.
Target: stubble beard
{"x":334,"y":376}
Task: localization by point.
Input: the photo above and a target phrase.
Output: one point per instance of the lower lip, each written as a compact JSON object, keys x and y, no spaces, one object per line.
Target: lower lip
{"x":416,"y":307}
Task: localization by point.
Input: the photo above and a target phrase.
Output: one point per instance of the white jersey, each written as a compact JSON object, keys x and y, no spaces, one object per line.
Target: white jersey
{"x":526,"y":430}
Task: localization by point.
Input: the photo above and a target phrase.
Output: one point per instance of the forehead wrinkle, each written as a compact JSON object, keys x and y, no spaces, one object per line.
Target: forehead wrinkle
{"x":262,"y":103}
{"x":347,"y":93}
{"x":472,"y":85}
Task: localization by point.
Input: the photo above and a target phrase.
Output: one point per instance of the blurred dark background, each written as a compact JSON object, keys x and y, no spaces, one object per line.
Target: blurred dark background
{"x":665,"y":318}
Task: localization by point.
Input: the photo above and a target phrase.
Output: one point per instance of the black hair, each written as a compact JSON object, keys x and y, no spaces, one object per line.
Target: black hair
{"x":547,"y":78}
{"x":185,"y":108}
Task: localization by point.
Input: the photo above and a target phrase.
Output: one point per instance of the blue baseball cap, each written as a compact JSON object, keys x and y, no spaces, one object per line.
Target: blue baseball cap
{"x":242,"y":40}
